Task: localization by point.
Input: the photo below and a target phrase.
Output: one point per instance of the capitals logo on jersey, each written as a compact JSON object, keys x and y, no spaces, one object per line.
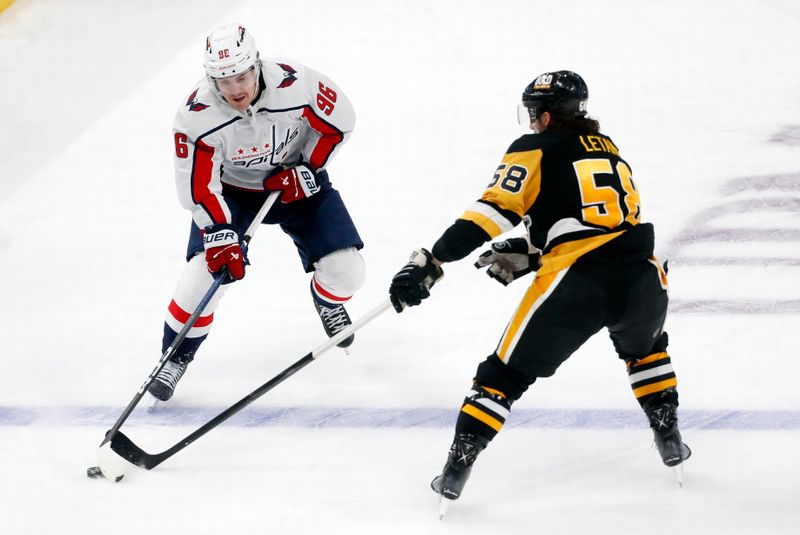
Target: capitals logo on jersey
{"x":193,"y":104}
{"x":288,"y":75}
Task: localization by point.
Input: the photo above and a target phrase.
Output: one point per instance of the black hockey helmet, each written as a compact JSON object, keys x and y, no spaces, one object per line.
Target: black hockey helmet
{"x":562,"y":90}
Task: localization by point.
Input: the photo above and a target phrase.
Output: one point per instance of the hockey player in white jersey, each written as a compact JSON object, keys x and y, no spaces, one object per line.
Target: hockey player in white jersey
{"x":251,"y":126}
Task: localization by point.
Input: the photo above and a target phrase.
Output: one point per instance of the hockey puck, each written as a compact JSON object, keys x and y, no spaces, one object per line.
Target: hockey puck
{"x":94,"y":472}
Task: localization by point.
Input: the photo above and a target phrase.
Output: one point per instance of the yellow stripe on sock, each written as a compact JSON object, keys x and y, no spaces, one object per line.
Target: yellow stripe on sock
{"x":655,"y":387}
{"x":651,"y":358}
{"x":478,"y":414}
{"x":493,"y":391}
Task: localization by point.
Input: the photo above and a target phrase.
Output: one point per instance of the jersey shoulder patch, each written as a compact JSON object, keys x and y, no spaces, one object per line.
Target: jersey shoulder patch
{"x":194,"y":104}
{"x":201,"y":112}
{"x":285,"y":84}
{"x":289,"y":75}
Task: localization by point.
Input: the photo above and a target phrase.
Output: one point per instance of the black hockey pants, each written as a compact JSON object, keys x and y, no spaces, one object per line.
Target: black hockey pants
{"x":560,"y":311}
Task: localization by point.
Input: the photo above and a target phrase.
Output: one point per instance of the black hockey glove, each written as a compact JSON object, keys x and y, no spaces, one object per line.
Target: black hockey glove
{"x":509,"y":260}
{"x":412,"y":284}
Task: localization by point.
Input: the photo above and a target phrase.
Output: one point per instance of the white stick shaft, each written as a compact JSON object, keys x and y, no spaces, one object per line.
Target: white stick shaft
{"x":350,"y":329}
{"x":262,"y":213}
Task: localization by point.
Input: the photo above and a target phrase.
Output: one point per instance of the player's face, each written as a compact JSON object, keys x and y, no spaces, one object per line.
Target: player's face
{"x":238,"y":90}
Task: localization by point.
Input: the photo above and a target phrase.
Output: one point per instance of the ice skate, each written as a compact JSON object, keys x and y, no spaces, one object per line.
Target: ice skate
{"x":334,"y":319}
{"x":450,"y":483}
{"x":664,"y":422}
{"x":163,"y":386}
{"x":671,"y":447}
{"x":672,"y":450}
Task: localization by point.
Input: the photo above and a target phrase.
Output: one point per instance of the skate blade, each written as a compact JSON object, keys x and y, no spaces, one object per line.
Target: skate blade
{"x":153,"y":403}
{"x":444,"y":505}
{"x":677,"y":471}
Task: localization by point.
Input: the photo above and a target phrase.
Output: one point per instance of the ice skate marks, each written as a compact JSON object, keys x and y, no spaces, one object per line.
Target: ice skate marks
{"x":397,"y":418}
{"x":751,"y":235}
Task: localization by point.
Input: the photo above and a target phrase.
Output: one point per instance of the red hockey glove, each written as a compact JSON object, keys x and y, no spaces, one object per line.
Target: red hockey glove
{"x":296,"y":183}
{"x":223,"y":249}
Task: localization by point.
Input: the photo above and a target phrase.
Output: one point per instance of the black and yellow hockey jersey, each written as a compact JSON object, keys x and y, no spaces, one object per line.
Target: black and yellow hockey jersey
{"x":574,"y":193}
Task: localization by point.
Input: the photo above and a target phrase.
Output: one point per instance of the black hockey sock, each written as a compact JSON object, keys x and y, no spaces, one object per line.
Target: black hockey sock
{"x":483,"y":413}
{"x":651,"y":376}
{"x":187,"y":349}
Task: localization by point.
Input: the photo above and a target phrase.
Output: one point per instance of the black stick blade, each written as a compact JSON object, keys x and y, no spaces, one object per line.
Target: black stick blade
{"x":125,"y":448}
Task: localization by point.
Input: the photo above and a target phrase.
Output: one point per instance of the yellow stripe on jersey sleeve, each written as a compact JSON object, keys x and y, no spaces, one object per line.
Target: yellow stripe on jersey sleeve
{"x":489,"y":219}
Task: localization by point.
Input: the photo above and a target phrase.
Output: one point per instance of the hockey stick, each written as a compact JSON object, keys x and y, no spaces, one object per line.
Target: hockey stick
{"x":170,"y":351}
{"x":125,"y":448}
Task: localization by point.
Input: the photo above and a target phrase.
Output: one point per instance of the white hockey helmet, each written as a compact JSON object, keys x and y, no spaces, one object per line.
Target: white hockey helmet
{"x":230,"y":50}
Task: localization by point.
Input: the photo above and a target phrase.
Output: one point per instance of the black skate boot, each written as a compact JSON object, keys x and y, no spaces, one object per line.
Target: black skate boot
{"x":664,"y":422}
{"x":662,"y":413}
{"x":462,"y":455}
{"x":671,"y":447}
{"x":164,"y":384}
{"x":334,"y":319}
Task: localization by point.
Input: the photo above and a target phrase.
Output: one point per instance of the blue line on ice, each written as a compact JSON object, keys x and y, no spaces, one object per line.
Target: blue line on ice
{"x":320,"y":417}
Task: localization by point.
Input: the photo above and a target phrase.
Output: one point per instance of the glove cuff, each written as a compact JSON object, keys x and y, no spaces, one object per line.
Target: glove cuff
{"x":219,"y":235}
{"x":307,"y":180}
{"x":421,"y":257}
{"x":424,"y":259}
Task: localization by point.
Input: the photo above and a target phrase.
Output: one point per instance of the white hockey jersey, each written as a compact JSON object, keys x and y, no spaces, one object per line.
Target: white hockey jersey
{"x":300,"y":116}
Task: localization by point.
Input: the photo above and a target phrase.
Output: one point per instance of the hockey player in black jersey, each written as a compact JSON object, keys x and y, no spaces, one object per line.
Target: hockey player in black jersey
{"x":594,"y":265}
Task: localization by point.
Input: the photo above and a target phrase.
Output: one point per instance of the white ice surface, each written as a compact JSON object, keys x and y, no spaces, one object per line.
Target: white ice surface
{"x":92,"y":239}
